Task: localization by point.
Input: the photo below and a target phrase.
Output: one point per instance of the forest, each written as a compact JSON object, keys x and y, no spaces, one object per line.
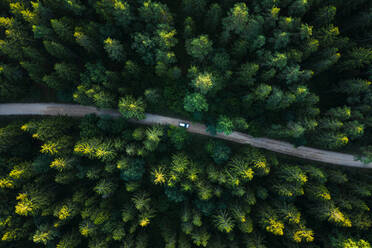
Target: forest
{"x":292,"y":70}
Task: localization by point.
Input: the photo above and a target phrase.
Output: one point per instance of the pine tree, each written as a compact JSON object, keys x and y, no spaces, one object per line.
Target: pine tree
{"x":145,"y":47}
{"x":9,"y":136}
{"x":53,"y":81}
{"x":204,"y":82}
{"x":237,"y":20}
{"x":180,"y":163}
{"x":154,"y":133}
{"x":69,"y":240}
{"x":218,"y":151}
{"x":269,"y":221}
{"x":195,"y":102}
{"x":67,"y":71}
{"x":66,"y":211}
{"x":155,"y":13}
{"x":224,"y":222}
{"x":255,"y":241}
{"x":116,"y":11}
{"x":247,"y":73}
{"x":141,"y":201}
{"x":298,"y":8}
{"x":199,"y":47}
{"x":58,"y":50}
{"x":152,"y":95}
{"x":42,"y":32}
{"x":332,"y":140}
{"x":222,"y":61}
{"x":262,"y":91}
{"x":63,"y":28}
{"x":328,"y":211}
{"x":189,"y":29}
{"x":200,"y":237}
{"x":114,"y":49}
{"x":84,"y":40}
{"x":87,"y":228}
{"x":44,"y":235}
{"x":104,"y":99}
{"x":129,"y":107}
{"x":73,"y":7}
{"x":354,"y":86}
{"x":105,"y":188}
{"x":132,"y":170}
{"x":325,"y":15}
{"x":166,"y":36}
{"x":357,"y":58}
{"x":224,"y":125}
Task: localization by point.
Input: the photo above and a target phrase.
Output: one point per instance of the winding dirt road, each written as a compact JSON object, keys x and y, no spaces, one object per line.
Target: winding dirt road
{"x":268,"y":144}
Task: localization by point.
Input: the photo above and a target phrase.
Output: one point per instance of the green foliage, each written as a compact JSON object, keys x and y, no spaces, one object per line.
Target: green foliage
{"x":237,"y":19}
{"x":57,"y":50}
{"x":130,"y":107}
{"x":9,"y":136}
{"x":12,"y":85}
{"x":203,"y":200}
{"x":154,"y":133}
{"x":195,"y":102}
{"x":132,"y":170}
{"x":223,"y":222}
{"x":155,"y":13}
{"x":114,"y":49}
{"x":247,"y":72}
{"x":67,"y":71}
{"x":84,"y":40}
{"x":250,"y":58}
{"x":69,"y":240}
{"x":63,"y":29}
{"x":224,"y":125}
{"x":174,"y":195}
{"x":43,"y":235}
{"x":189,"y":28}
{"x":104,"y":188}
{"x":218,"y":151}
{"x":178,"y":137}
{"x":199,"y":47}
{"x":115,"y":11}
{"x":204,"y":82}
{"x":49,"y":128}
{"x":152,"y":95}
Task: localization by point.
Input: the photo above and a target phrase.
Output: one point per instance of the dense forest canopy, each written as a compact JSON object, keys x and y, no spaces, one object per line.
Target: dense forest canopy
{"x":297,"y":70}
{"x":99,"y":182}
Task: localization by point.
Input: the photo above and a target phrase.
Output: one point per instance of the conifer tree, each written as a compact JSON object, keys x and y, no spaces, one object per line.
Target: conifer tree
{"x":114,"y":49}
{"x":63,"y":28}
{"x":195,"y":102}
{"x":224,"y":125}
{"x":129,"y":107}
{"x":116,"y":11}
{"x":199,"y":47}
{"x":57,"y":50}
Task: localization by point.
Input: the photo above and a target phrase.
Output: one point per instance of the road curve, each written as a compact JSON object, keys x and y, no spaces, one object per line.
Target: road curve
{"x":54,"y":109}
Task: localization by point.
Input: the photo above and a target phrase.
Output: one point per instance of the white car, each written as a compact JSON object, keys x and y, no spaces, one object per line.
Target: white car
{"x":183,"y":124}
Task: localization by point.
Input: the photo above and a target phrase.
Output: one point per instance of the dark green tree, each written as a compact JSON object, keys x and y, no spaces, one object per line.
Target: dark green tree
{"x":195,"y":102}
{"x":199,"y":47}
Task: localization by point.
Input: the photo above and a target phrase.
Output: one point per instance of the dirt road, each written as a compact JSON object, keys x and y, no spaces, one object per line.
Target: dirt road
{"x":269,"y":144}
